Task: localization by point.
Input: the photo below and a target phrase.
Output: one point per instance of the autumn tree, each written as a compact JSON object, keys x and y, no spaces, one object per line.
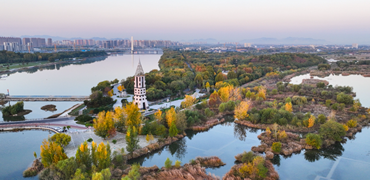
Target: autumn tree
{"x":121,"y":88}
{"x":208,"y":87}
{"x":51,"y":153}
{"x":268,"y":132}
{"x":170,"y":116}
{"x":101,"y":155}
{"x":119,"y":118}
{"x":104,"y":125}
{"x":224,"y":93}
{"x":61,"y":139}
{"x":83,"y":157}
{"x":214,"y":100}
{"x":311,"y":121}
{"x":147,"y":138}
{"x":288,"y":107}
{"x":110,"y":93}
{"x":158,"y":116}
{"x":133,"y":115}
{"x":188,"y":101}
{"x":261,"y":93}
{"x":241,"y":110}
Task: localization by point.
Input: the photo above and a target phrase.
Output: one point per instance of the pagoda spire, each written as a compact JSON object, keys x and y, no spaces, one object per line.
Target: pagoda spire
{"x":139,"y":70}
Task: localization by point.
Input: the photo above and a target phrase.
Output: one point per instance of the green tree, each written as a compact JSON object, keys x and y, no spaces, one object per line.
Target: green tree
{"x":132,"y":139}
{"x":168,"y":163}
{"x":61,"y":139}
{"x":134,"y":173}
{"x":219,"y":77}
{"x":103,"y":175}
{"x":198,"y":80}
{"x":276,"y":147}
{"x":173,"y":130}
{"x":332,"y":130}
{"x":231,"y":75}
{"x":78,"y":175}
{"x":68,"y":167}
{"x":313,"y":140}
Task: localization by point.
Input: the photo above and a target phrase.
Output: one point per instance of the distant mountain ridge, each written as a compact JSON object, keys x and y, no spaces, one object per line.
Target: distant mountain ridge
{"x":264,"y":40}
{"x":288,"y":40}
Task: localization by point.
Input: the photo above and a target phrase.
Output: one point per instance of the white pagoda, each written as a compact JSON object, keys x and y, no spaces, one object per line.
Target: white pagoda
{"x":139,"y":88}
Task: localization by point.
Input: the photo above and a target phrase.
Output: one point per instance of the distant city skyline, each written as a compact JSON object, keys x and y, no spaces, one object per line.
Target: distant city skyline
{"x":335,"y":21}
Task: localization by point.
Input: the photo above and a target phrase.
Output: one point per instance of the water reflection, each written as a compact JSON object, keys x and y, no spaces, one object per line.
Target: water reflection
{"x":178,"y":148}
{"x":59,"y":65}
{"x":240,"y":132}
{"x":331,"y":152}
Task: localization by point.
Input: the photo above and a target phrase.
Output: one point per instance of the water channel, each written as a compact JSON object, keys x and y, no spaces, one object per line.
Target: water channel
{"x":350,"y":160}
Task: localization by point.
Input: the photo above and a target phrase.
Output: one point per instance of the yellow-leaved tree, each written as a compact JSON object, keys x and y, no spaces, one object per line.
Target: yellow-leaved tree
{"x":101,"y":155}
{"x":224,"y":93}
{"x":170,"y":116}
{"x":268,"y":132}
{"x":51,"y":153}
{"x":104,"y":125}
{"x":119,"y":118}
{"x":158,"y":115}
{"x":311,"y":121}
{"x":121,"y":88}
{"x":241,"y":110}
{"x":188,"y":101}
{"x":288,"y":107}
{"x":133,"y":115}
{"x":261,"y":92}
{"x":110,"y":93}
{"x":208,"y":86}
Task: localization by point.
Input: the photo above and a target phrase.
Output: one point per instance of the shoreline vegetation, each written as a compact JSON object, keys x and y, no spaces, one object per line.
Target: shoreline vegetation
{"x":265,"y":101}
{"x":29,"y":60}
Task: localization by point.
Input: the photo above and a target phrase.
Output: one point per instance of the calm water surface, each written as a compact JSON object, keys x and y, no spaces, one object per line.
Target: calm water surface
{"x":76,"y":79}
{"x":17,"y":151}
{"x":37,"y":112}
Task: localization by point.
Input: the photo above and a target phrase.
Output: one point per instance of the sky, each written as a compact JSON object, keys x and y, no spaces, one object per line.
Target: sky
{"x":336,"y":21}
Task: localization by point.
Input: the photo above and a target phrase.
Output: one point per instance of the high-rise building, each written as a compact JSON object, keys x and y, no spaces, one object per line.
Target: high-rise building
{"x":50,"y":42}
{"x":12,"y":46}
{"x":247,"y":45}
{"x":25,"y":41}
{"x":355,"y":45}
{"x":35,"y":42}
{"x":10,"y":39}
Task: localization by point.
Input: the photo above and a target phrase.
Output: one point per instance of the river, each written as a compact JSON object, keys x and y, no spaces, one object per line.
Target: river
{"x":71,"y":79}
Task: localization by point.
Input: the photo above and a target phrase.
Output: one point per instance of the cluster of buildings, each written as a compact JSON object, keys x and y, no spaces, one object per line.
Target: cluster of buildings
{"x":120,"y":43}
{"x":17,"y":44}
